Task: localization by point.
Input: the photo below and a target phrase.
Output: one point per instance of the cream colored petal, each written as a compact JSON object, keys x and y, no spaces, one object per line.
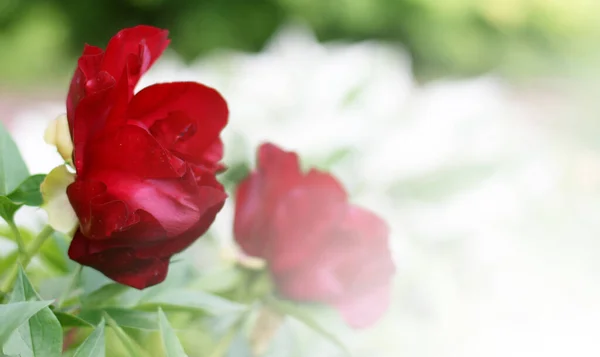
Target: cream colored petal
{"x":231,"y":254}
{"x":61,"y":215}
{"x":57,"y":134}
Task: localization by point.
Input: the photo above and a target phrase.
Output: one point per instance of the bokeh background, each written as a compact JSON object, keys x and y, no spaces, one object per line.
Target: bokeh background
{"x":472,"y":126}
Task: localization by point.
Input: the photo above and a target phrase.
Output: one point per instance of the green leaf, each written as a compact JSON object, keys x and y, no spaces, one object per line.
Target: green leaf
{"x":133,"y":348}
{"x":28,"y":192}
{"x":12,"y":167}
{"x":291,"y":309}
{"x":170,"y":341}
{"x":190,"y":300}
{"x":94,"y":345}
{"x":42,"y":334}
{"x":124,"y":317}
{"x":102,"y":296}
{"x":15,"y":314}
{"x":68,"y":320}
{"x":8,"y":208}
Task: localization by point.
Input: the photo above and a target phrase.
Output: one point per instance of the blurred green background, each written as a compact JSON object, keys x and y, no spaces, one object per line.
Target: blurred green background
{"x":40,"y":38}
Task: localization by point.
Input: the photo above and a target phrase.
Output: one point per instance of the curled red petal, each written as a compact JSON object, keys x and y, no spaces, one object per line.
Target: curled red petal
{"x":185,"y":117}
{"x":177,"y":203}
{"x":99,"y":213}
{"x":177,"y":244}
{"x":135,"y":48}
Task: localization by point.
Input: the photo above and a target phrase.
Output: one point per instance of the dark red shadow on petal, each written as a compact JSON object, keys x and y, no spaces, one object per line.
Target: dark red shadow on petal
{"x":120,"y":264}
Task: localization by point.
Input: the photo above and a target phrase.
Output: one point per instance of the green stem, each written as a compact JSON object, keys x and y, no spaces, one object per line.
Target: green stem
{"x":65,"y":294}
{"x":30,"y":252}
{"x":15,"y":231}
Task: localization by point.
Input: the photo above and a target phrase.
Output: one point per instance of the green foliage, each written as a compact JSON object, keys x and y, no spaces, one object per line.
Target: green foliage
{"x":28,"y":192}
{"x":132,"y":347}
{"x":42,"y":334}
{"x":443,"y":37}
{"x":193,"y":301}
{"x":104,"y":295}
{"x":14,"y":180}
{"x":170,"y":341}
{"x":8,"y":209}
{"x":80,"y":301}
{"x":12,"y":167}
{"x":124,"y":317}
{"x":15,"y":314}
{"x":94,"y":345}
{"x":288,"y":308}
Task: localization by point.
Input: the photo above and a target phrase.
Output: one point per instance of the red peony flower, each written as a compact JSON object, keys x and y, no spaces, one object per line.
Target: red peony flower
{"x":318,"y":246}
{"x":145,"y":185}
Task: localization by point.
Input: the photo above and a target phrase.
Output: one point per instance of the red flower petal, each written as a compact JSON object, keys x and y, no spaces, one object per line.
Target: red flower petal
{"x":132,"y":150}
{"x":258,"y":194}
{"x":176,"y":203}
{"x":248,"y":223}
{"x":119,"y":264}
{"x":99,"y":214}
{"x":137,"y":48}
{"x":185,"y":117}
{"x":214,"y":202}
{"x":88,"y":66}
{"x":145,"y":187}
{"x":319,"y":248}
{"x":308,"y":217}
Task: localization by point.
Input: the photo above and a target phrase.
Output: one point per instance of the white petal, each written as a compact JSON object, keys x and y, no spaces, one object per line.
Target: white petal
{"x":57,"y":134}
{"x":61,"y":215}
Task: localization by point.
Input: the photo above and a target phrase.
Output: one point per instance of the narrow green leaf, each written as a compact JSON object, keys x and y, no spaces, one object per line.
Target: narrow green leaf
{"x":190,"y":300}
{"x":170,"y":341}
{"x":12,"y":167}
{"x":42,"y":333}
{"x":124,"y":317}
{"x":105,"y":294}
{"x":94,"y":345}
{"x":8,"y":208}
{"x":68,"y":320}
{"x":291,"y":309}
{"x":133,"y":348}
{"x":15,"y":314}
{"x":28,"y":192}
